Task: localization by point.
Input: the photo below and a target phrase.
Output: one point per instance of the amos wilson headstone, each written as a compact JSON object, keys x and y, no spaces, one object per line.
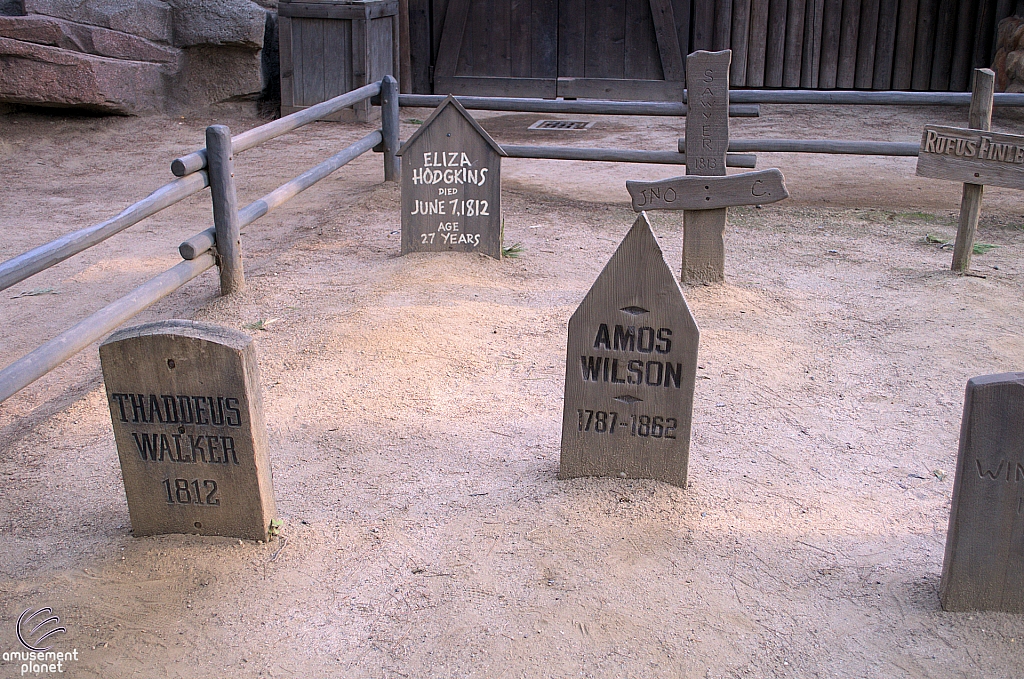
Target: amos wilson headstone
{"x":630,"y":368}
{"x":983,"y":568}
{"x":451,"y":185}
{"x":187,"y":412}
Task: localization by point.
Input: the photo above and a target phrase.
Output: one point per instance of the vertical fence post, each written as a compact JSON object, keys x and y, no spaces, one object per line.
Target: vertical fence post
{"x":979,"y":118}
{"x":389,"y":128}
{"x":221,"y":169}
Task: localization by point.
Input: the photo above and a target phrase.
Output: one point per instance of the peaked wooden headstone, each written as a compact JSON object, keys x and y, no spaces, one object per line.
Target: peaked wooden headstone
{"x":630,"y":368}
{"x":705,"y":193}
{"x":983,"y":568}
{"x":451,"y":185}
{"x":187,"y":413}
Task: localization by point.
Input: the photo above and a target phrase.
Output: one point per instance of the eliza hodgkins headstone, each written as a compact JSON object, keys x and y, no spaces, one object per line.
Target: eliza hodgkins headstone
{"x":451,"y":185}
{"x":984,"y":563}
{"x":630,"y":368}
{"x":187,"y":413}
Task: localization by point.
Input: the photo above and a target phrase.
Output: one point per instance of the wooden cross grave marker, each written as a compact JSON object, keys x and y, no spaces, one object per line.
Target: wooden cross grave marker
{"x":975,"y":156}
{"x":706,"y":192}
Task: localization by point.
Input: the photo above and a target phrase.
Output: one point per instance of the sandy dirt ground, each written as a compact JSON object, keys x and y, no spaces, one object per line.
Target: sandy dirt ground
{"x":414,"y":408}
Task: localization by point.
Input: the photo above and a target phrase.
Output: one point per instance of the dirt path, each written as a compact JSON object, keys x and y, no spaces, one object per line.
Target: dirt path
{"x":414,"y":409}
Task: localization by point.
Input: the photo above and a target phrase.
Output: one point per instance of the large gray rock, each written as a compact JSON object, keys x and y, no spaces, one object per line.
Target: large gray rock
{"x":39,"y":74}
{"x":150,"y":19}
{"x":103,"y":42}
{"x":132,"y":56}
{"x":218,"y":22}
{"x":216,"y":74}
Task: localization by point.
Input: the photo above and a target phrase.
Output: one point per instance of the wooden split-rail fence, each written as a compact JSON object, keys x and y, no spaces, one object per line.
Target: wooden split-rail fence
{"x":212,"y":167}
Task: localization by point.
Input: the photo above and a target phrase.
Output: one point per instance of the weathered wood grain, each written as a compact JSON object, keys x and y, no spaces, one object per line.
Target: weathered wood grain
{"x":885,"y":44}
{"x":866,"y":42}
{"x":630,"y":369}
{"x":983,"y":564}
{"x":810,"y":64}
{"x":794,"y":43}
{"x":831,"y":32}
{"x":961,"y":154}
{"x":221,"y":169}
{"x":757,"y":43}
{"x":693,"y":192}
{"x":668,"y":43}
{"x":451,"y":185}
{"x":775,"y":52}
{"x":963,"y":45}
{"x":848,"y":39}
{"x":187,"y":414}
{"x":723,"y":25}
{"x":924,"y":44}
{"x":945,"y":35}
{"x":903,"y":56}
{"x":740,"y":32}
{"x":707,"y":140}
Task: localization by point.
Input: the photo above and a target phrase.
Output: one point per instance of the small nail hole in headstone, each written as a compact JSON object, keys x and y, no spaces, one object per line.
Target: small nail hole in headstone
{"x":197,"y":524}
{"x":170,"y":363}
{"x":977,"y":174}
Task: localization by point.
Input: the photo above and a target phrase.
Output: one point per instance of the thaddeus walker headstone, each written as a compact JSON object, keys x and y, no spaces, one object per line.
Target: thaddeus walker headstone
{"x":630,"y":370}
{"x":451,"y":185}
{"x":984,"y":564}
{"x":187,"y":412}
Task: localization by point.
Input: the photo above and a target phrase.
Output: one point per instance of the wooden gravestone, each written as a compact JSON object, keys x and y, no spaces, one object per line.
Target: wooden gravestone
{"x":187,"y":411}
{"x":630,"y":368}
{"x":706,"y":192}
{"x":984,"y":564}
{"x":974,"y":156}
{"x":451,"y":185}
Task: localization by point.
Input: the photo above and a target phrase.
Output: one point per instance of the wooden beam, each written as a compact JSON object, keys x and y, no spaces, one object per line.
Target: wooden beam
{"x":979,"y":118}
{"x":668,"y":42}
{"x":694,"y":192}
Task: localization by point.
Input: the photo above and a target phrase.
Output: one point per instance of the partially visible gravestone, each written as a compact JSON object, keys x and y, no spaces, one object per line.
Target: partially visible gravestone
{"x":451,"y":185}
{"x":630,"y":368}
{"x":187,"y":412}
{"x":984,"y":563}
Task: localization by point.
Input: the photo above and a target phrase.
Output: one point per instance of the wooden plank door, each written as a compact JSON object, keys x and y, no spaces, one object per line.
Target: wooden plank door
{"x":620,"y":49}
{"x":605,"y":49}
{"x":497,"y":48}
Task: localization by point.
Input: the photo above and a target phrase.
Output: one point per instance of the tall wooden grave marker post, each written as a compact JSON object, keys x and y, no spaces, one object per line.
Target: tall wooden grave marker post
{"x":974,"y":156}
{"x":187,"y":413}
{"x":706,"y":192}
{"x":984,"y":563}
{"x":630,"y":368}
{"x":451,"y":185}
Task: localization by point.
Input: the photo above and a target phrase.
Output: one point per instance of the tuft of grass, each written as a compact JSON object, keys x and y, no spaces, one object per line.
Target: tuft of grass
{"x":261,"y":324}
{"x":935,"y":240}
{"x":923,"y":216}
{"x":35,"y":292}
{"x":275,"y":527}
{"x":414,"y":121}
{"x":982,"y":248}
{"x":513,"y":251}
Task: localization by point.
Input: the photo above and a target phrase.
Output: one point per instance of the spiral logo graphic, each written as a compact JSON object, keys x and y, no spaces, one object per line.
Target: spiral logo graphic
{"x":36,"y":626}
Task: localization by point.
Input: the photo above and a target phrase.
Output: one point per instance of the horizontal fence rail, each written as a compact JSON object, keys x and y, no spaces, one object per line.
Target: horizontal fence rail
{"x":204,"y":240}
{"x":199,"y":248}
{"x":591,"y":106}
{"x":45,"y":358}
{"x":19,"y":268}
{"x":617,"y":155}
{"x":859,"y":98}
{"x":833,"y":146}
{"x":196,"y":160}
